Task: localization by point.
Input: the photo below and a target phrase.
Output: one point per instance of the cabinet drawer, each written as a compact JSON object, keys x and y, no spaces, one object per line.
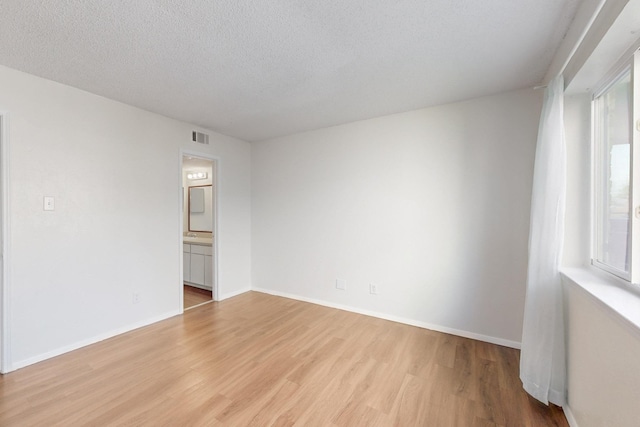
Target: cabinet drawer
{"x":204,"y":250}
{"x":186,"y":248}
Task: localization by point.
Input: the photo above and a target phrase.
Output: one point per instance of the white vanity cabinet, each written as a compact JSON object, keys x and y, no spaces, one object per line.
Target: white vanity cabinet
{"x":186,"y":262}
{"x":198,"y":265}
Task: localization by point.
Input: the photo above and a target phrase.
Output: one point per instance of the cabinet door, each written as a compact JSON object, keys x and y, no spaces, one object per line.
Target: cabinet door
{"x":186,"y":266}
{"x":208,"y":271}
{"x":197,"y":269}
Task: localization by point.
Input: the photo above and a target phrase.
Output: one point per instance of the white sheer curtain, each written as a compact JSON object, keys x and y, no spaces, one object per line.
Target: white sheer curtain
{"x":542,"y":360}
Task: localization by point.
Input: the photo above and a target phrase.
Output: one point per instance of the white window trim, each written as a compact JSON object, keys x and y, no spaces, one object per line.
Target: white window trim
{"x":635,"y":162}
{"x":633,"y":275}
{"x":619,"y":299}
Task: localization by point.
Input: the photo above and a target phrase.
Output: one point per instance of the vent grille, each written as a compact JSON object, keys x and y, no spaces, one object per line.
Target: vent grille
{"x":199,"y":137}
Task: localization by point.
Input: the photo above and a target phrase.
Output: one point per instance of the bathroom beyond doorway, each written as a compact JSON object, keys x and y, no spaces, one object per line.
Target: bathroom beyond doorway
{"x":199,"y":218}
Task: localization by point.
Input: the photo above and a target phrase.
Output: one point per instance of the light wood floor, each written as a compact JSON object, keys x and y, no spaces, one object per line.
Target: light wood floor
{"x":262,"y":360}
{"x":194,"y":296}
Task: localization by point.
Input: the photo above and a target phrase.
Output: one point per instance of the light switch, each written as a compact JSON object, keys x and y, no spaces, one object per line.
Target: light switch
{"x":49,"y":203}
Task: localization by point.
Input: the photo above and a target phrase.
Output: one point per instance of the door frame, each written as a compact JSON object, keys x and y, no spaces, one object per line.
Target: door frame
{"x":5,"y":276}
{"x":216,"y":203}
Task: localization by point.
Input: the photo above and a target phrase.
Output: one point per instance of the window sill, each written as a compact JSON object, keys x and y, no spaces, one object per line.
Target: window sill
{"x":613,"y":294}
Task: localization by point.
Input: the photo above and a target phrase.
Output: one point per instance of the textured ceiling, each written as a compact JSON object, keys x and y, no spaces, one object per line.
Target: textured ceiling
{"x":258,"y":69}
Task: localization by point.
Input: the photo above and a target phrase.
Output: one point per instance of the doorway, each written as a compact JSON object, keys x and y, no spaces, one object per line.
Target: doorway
{"x":4,"y":305}
{"x":199,"y":220}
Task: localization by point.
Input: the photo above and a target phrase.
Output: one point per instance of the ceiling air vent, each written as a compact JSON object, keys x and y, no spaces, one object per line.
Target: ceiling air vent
{"x":199,"y":137}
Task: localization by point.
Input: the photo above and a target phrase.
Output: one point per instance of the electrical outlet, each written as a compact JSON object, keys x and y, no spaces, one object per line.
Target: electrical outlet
{"x":136,"y":298}
{"x":373,"y":289}
{"x":341,"y":284}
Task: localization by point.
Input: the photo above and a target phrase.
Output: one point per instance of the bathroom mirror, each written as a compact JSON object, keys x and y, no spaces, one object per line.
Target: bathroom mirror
{"x":200,"y":208}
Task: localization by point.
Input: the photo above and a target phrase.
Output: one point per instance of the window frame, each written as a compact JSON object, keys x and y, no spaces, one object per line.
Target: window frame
{"x":631,"y":65}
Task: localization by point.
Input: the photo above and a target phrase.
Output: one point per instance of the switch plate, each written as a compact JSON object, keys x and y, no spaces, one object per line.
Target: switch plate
{"x":373,"y":289}
{"x":341,"y":284}
{"x":49,"y":203}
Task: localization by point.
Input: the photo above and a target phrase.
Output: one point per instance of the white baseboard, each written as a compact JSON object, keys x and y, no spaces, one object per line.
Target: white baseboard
{"x":466,"y":334}
{"x":569,"y":415}
{"x":424,"y":325}
{"x":57,"y":352}
{"x":233,"y":294}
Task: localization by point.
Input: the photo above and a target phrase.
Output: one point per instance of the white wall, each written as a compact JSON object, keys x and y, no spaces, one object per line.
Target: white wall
{"x":603,"y":354}
{"x":114,"y":171}
{"x":603,"y":351}
{"x":431,"y":205}
{"x":577,"y":117}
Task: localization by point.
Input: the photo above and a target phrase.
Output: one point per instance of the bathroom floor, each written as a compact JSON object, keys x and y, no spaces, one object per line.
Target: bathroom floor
{"x":194,"y":296}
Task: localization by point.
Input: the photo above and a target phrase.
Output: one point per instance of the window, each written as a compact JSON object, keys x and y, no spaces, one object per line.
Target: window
{"x":613,"y":136}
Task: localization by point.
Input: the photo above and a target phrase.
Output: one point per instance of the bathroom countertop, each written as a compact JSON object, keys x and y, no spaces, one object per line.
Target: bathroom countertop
{"x":204,"y":241}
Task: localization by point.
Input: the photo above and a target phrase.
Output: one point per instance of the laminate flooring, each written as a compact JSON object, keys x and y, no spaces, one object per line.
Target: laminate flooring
{"x":261,"y":360}
{"x":195,"y":296}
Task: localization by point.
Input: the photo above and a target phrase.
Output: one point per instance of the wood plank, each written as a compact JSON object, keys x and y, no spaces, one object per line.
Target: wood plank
{"x":261,"y":360}
{"x":194,"y":296}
